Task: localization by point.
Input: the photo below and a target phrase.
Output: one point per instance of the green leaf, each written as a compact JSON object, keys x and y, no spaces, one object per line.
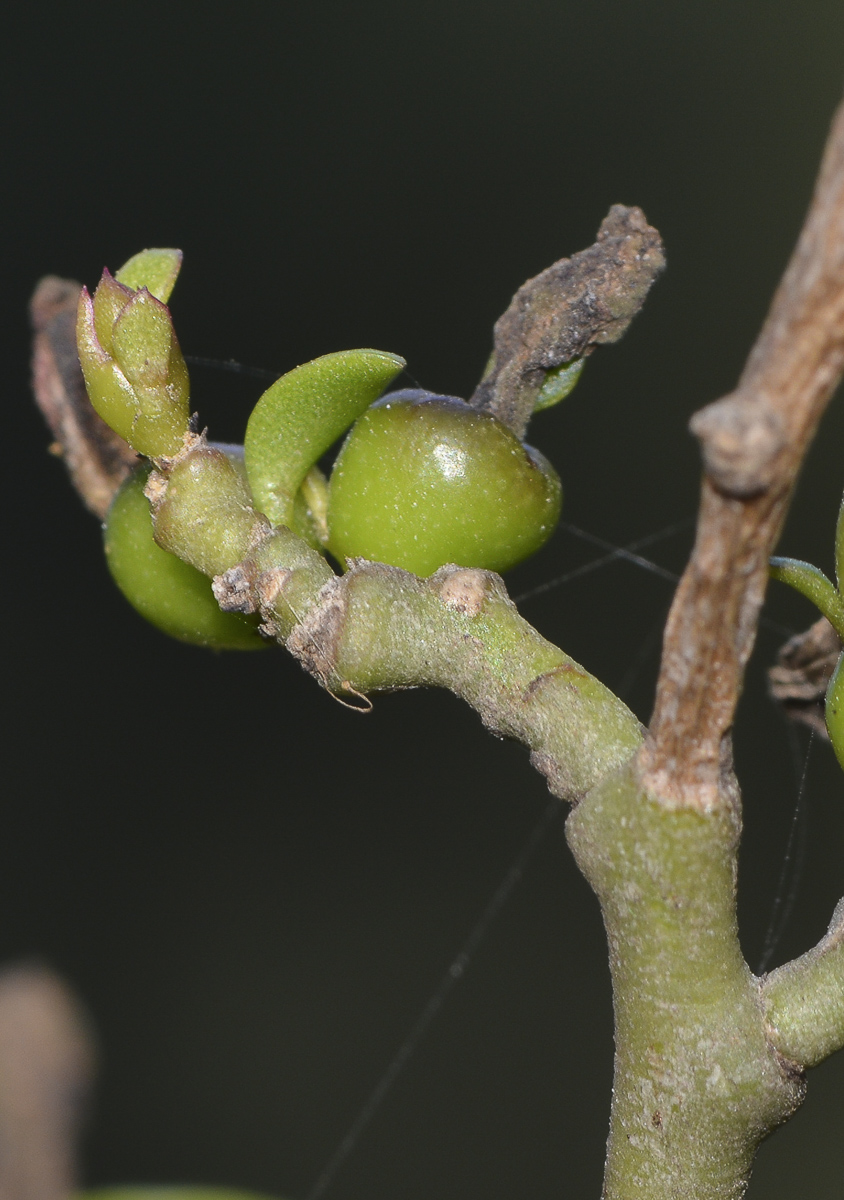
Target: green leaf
{"x":558,"y":383}
{"x":835,"y":710}
{"x":302,"y":415}
{"x":156,"y":270}
{"x":814,"y":585}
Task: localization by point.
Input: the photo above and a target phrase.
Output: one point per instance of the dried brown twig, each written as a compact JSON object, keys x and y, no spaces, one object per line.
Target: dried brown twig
{"x":567,"y":310}
{"x":753,"y":444}
{"x":97,"y":459}
{"x":46,"y":1068}
{"x":799,"y":678}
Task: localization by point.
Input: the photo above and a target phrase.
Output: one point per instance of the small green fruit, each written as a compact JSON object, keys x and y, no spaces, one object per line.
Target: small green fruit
{"x":171,"y":594}
{"x":424,"y":480}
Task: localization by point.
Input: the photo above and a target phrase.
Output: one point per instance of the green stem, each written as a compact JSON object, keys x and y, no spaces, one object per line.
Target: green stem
{"x":697,"y":1085}
{"x":379,"y":628}
{"x":700,"y":1077}
{"x":804,"y":999}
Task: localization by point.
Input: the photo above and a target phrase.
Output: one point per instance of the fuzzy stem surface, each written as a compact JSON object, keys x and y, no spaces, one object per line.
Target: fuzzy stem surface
{"x":697,"y":1083}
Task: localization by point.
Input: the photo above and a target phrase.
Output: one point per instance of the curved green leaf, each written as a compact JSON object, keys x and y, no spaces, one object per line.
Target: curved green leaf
{"x":302,"y":415}
{"x":814,"y":585}
{"x":156,"y":270}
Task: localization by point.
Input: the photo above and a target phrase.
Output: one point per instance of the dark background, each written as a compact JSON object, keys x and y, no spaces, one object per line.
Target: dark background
{"x":255,"y":891}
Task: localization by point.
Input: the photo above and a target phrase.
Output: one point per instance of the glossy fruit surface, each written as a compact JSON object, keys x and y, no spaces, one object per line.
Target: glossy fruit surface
{"x":425,"y":480}
{"x":169,"y":593}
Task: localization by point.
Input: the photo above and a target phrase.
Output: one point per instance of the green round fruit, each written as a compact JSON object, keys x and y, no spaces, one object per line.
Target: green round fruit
{"x":172,"y":595}
{"x":424,"y":480}
{"x":835,"y":710}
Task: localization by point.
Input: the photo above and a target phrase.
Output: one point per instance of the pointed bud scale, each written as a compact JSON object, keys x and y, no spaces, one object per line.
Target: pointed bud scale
{"x":155,"y":270}
{"x":110,"y":299}
{"x":145,"y":348}
{"x":110,"y":392}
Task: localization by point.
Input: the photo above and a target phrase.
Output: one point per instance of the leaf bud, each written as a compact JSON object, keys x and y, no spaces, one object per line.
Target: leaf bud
{"x":134,"y":371}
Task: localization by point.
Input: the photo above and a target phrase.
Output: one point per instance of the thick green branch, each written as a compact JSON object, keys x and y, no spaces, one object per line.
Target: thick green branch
{"x":379,"y":628}
{"x":804,"y":999}
{"x":697,"y":1083}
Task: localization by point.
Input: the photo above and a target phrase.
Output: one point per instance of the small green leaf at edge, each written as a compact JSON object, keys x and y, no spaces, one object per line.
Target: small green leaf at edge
{"x":835,"y":711}
{"x":814,"y":585}
{"x":558,"y":383}
{"x":156,"y":270}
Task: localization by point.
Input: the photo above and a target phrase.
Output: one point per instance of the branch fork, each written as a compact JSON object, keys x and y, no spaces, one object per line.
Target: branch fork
{"x":709,"y":1059}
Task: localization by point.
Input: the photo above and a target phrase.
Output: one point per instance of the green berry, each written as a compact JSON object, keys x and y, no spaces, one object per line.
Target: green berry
{"x":424,"y":480}
{"x":169,"y":593}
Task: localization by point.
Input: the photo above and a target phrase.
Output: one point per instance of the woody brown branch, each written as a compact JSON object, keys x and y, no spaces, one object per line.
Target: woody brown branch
{"x":96,"y":458}
{"x":753,"y":443}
